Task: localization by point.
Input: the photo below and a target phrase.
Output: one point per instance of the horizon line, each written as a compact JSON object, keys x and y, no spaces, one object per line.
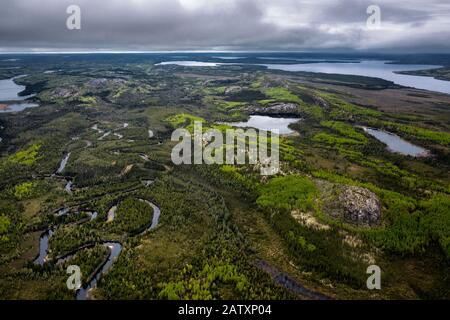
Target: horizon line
{"x":212,"y":51}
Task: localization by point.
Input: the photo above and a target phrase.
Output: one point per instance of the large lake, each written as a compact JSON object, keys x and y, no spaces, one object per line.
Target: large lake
{"x":369,"y":68}
{"x":9,"y":90}
{"x":376,"y":69}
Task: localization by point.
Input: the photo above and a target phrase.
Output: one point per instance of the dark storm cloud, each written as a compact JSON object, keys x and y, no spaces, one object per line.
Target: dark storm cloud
{"x":224,"y":24}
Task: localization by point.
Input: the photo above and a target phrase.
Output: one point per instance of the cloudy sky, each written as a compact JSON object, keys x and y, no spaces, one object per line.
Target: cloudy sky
{"x":176,"y":25}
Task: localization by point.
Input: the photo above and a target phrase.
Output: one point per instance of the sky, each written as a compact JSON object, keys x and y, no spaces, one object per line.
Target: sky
{"x":226,"y":25}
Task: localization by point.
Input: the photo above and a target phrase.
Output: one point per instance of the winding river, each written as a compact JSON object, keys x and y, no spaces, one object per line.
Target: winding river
{"x":111,"y":214}
{"x":114,"y":247}
{"x":68,"y":186}
{"x":289,"y":283}
{"x":63,"y":163}
{"x":43,"y":247}
{"x":155,"y":218}
{"x":114,"y":251}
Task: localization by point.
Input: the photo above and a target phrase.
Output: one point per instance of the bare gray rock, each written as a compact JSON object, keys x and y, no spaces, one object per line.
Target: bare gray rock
{"x":118,"y":81}
{"x":233,"y":89}
{"x":282,"y":107}
{"x":276,"y":108}
{"x":95,"y":83}
{"x":321,"y":102}
{"x":360,"y":206}
{"x":63,"y":92}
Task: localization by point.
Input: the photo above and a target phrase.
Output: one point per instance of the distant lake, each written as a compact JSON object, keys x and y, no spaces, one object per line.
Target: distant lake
{"x":397,"y":144}
{"x":308,"y":59}
{"x":9,"y":90}
{"x":189,"y":63}
{"x":229,"y":58}
{"x":10,"y":68}
{"x":267,"y":123}
{"x":376,"y":69}
{"x":366,"y":68}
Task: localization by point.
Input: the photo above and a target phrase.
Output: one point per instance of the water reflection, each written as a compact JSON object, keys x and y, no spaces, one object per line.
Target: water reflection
{"x":267,"y":123}
{"x":397,"y":144}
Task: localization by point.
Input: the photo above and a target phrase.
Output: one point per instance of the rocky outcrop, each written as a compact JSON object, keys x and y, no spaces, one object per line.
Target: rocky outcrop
{"x":63,"y":92}
{"x":103,"y":82}
{"x":360,"y":206}
{"x":233,"y":89}
{"x":282,"y":108}
{"x":321,"y":102}
{"x":95,"y":83}
{"x":276,"y":108}
{"x":118,"y":81}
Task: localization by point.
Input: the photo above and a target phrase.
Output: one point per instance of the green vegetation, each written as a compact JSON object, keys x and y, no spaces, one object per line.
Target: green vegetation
{"x":334,"y":140}
{"x":442,"y":73}
{"x":289,"y":192}
{"x":88,"y":260}
{"x":183,"y":119}
{"x":420,"y":133}
{"x":281,"y":94}
{"x":230,"y":104}
{"x":4,"y":226}
{"x":300,"y":243}
{"x":244,"y":181}
{"x":413,"y":227}
{"x":27,"y":156}
{"x":133,"y":215}
{"x":344,"y":110}
{"x":87,"y":101}
{"x":345,"y":130}
{"x":201,"y":286}
{"x":24,"y":190}
{"x":313,"y":111}
{"x":224,"y":230}
{"x":11,"y":226}
{"x":69,"y":238}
